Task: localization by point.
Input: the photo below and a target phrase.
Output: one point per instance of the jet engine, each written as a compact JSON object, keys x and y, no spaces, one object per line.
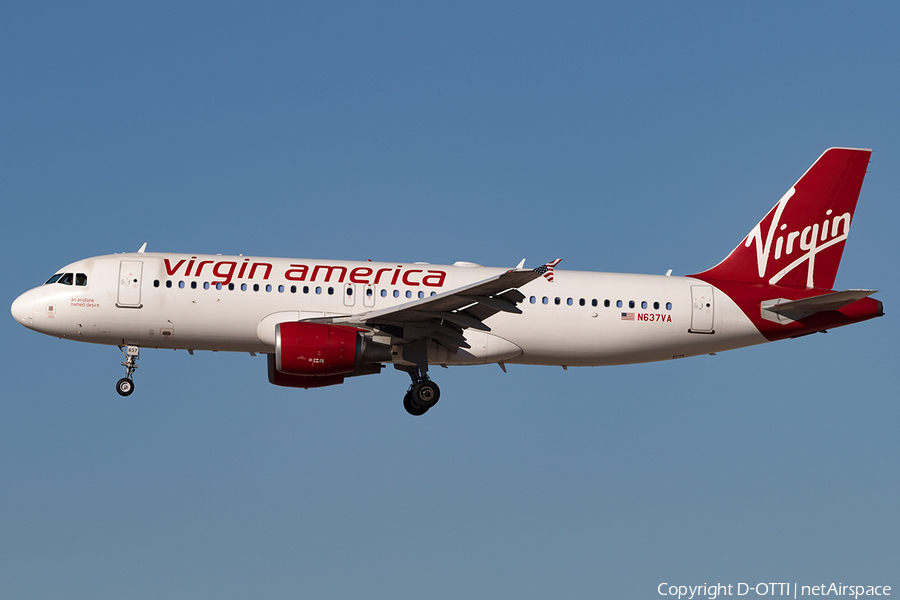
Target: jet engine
{"x":311,"y":355}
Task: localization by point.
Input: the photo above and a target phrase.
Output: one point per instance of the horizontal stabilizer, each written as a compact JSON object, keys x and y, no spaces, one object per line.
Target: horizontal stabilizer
{"x":798,"y":309}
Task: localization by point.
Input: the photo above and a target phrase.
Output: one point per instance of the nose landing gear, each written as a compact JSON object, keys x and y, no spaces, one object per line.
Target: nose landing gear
{"x":125,"y":385}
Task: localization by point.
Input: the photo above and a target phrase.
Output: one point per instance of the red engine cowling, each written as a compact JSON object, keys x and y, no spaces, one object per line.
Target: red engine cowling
{"x":314,"y":349}
{"x":311,"y":355}
{"x":300,"y":381}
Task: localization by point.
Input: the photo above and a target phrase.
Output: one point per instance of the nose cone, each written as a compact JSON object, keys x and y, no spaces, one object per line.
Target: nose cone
{"x":23,"y":309}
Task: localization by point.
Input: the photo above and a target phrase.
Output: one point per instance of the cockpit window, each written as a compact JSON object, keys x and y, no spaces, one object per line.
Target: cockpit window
{"x":68,"y":279}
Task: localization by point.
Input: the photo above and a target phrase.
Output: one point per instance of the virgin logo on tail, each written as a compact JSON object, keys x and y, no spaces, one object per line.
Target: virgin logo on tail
{"x":807,"y":240}
{"x":801,"y":240}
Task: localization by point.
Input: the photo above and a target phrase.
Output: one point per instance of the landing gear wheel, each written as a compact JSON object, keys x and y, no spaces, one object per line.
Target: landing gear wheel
{"x":125,"y":386}
{"x":413,"y":410}
{"x":425,"y":394}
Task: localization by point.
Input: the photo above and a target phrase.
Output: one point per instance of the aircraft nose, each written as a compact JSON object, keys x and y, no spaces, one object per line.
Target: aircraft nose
{"x":23,"y":309}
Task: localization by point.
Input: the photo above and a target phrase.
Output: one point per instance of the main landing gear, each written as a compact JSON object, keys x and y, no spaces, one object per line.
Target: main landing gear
{"x":422,"y":394}
{"x":125,"y":385}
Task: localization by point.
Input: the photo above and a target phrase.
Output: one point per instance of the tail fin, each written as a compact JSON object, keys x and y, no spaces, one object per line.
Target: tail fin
{"x":800,"y":241}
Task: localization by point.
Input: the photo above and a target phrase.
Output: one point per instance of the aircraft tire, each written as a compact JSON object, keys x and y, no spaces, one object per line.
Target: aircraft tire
{"x":125,"y":386}
{"x":425,"y":394}
{"x":413,"y":410}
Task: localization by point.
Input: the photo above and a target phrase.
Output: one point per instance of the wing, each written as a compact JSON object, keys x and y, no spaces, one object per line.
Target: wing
{"x":443,"y":317}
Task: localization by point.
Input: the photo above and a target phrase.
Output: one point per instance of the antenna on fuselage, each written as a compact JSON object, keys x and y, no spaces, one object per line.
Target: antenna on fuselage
{"x":144,"y":247}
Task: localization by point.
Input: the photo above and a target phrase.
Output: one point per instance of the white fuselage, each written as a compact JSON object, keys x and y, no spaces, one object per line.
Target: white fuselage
{"x":232,"y":303}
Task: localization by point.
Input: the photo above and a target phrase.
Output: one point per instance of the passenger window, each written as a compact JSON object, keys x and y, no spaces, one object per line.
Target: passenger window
{"x":408,"y":294}
{"x":280,"y":289}
{"x":631,"y":304}
{"x":384,"y":293}
{"x":193,"y":285}
{"x":80,"y":279}
{"x":255,"y":287}
{"x":219,"y":285}
{"x":243,"y":287}
{"x":156,"y":283}
{"x":656,"y":306}
{"x":532,"y":299}
{"x":181,"y":285}
{"x":606,"y":303}
{"x":644,"y":304}
{"x":349,"y":291}
{"x":619,"y":303}
{"x":205,"y":285}
{"x":594,"y":302}
{"x":569,"y":302}
{"x":305,"y":289}
{"x":168,"y":283}
{"x":293,"y":289}
{"x":318,"y":290}
{"x":54,"y":279}
{"x":231,"y":286}
{"x":269,"y":288}
{"x":421,"y":294}
{"x":396,"y":293}
{"x":668,"y":306}
{"x":545,"y":300}
{"x":581,"y":302}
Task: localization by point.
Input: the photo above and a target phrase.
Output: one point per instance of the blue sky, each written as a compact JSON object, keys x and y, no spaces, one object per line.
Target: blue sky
{"x":632,"y":137}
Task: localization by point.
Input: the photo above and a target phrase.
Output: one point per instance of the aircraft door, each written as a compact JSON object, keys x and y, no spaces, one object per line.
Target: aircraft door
{"x":702,"y":309}
{"x":130,"y":284}
{"x":349,"y":294}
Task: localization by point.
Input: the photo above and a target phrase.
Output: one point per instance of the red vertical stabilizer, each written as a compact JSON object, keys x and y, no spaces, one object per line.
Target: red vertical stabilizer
{"x":800,"y":241}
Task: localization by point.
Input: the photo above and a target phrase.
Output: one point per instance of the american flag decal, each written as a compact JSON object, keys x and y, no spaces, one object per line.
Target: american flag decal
{"x":628,"y":316}
{"x":547,"y":270}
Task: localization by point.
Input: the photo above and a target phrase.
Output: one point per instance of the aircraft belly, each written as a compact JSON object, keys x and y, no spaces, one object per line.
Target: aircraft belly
{"x":187,"y":321}
{"x":484,"y":348}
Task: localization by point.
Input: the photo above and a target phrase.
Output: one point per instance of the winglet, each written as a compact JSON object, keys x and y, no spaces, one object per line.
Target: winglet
{"x":547,"y":269}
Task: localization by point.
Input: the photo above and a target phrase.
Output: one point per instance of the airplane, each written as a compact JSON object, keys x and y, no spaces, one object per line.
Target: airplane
{"x":320,"y":322}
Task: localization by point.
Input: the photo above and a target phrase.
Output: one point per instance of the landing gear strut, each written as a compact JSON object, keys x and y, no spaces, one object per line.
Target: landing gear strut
{"x":423,"y":393}
{"x":125,"y":385}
